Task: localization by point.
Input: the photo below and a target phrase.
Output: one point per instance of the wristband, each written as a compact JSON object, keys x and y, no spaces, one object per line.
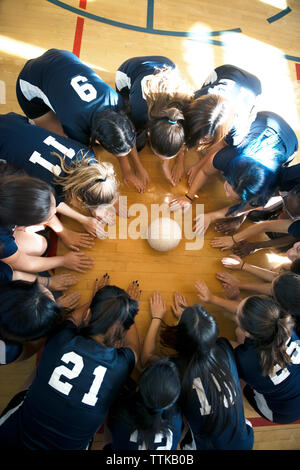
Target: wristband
{"x":157,"y":318}
{"x":242,"y":265}
{"x":189,"y":197}
{"x":233,"y":239}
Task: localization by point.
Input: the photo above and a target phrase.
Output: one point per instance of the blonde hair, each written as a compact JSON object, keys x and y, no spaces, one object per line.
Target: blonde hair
{"x":167,"y":95}
{"x":94,"y":183}
{"x":166,"y":89}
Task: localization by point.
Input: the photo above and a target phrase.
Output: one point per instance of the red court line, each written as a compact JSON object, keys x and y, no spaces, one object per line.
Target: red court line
{"x":79,"y":30}
{"x":264,"y":422}
{"x":298,"y":72}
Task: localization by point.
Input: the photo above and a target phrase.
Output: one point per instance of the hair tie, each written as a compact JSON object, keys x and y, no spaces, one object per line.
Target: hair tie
{"x":100,"y":180}
{"x":172,"y":122}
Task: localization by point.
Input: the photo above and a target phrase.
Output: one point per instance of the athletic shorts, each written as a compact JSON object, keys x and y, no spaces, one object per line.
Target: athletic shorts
{"x":34,"y":108}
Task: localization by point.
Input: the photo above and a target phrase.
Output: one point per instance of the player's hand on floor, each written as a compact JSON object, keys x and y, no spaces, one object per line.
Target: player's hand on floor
{"x":133,"y":179}
{"x":69,"y":301}
{"x":100,"y":283}
{"x":77,"y":261}
{"x":61,"y":282}
{"x":177,"y":172}
{"x":134,"y":290}
{"x":233,"y":262}
{"x":229,"y":279}
{"x":244,"y":248}
{"x":180,"y":202}
{"x":158,"y":306}
{"x":143,"y":176}
{"x":204,"y":292}
{"x":94,"y":227}
{"x":225,"y":243}
{"x":202,"y":223}
{"x":179,"y":305}
{"x":75,"y":240}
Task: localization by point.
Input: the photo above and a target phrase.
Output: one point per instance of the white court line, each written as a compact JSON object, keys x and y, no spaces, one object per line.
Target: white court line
{"x":2,"y":92}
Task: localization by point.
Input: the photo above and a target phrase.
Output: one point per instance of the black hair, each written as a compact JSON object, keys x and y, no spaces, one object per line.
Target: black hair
{"x":114,"y":130}
{"x":110,"y":306}
{"x":24,"y":201}
{"x":270,"y":327}
{"x":295,"y":266}
{"x":199,"y":354}
{"x":252,"y":181}
{"x":149,"y":409}
{"x":27,"y":313}
{"x":286,"y":291}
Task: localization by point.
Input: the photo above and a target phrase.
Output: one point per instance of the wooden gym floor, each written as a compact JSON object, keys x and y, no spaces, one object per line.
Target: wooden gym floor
{"x":259,"y":36}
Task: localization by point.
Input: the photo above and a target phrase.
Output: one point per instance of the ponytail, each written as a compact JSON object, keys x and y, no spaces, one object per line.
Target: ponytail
{"x":95,"y":183}
{"x":167,"y":95}
{"x":270,"y":328}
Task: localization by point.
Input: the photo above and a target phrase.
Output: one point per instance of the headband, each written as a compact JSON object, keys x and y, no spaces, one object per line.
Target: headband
{"x":172,"y":122}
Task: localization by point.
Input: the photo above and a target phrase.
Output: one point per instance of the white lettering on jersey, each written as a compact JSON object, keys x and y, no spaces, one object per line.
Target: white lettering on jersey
{"x":205,"y":407}
{"x":65,"y":387}
{"x":279,"y":375}
{"x":31,"y":91}
{"x":37,"y":158}
{"x":157,"y":439}
{"x":89,"y":398}
{"x":85,"y":91}
{"x":67,"y":152}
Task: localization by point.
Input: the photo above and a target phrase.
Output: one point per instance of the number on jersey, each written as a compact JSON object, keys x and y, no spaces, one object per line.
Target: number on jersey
{"x":65,"y":387}
{"x":84,"y":90}
{"x":36,"y":157}
{"x":279,"y":375}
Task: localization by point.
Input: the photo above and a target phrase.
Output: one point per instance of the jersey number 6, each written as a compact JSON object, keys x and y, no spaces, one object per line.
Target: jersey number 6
{"x":85,"y":91}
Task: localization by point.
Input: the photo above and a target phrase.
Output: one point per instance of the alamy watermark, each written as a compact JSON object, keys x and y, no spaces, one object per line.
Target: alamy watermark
{"x":141,"y":216}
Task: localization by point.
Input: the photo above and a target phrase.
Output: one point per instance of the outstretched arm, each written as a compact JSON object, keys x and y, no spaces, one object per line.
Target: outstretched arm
{"x":226,"y":243}
{"x":158,"y":309}
{"x":235,"y":263}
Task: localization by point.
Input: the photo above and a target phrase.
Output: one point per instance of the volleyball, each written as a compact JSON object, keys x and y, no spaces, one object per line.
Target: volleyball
{"x":164,"y":234}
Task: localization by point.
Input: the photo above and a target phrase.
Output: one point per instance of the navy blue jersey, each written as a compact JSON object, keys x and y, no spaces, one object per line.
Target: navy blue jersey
{"x":8,"y":246}
{"x":196,"y":410}
{"x":58,"y":80}
{"x":129,"y":80}
{"x":6,"y":271}
{"x":77,"y":380}
{"x":34,"y":149}
{"x":270,"y":141}
{"x":276,"y":395}
{"x":239,"y":87}
{"x":288,"y":177}
{"x":124,"y":439}
{"x":294,"y":229}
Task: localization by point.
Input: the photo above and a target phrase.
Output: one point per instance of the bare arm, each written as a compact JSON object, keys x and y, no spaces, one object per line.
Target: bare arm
{"x":228,"y":242}
{"x":158,"y":310}
{"x":132,"y":341}
{"x":21,"y":261}
{"x":262,"y":273}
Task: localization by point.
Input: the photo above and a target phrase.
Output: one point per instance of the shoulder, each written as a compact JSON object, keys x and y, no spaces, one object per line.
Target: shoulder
{"x":126,"y":355}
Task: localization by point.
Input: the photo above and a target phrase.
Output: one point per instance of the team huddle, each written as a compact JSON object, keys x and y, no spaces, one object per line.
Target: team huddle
{"x":192,"y":398}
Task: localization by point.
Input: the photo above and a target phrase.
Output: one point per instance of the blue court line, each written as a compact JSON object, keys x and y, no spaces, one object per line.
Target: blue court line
{"x":292,"y":57}
{"x":279,"y":15}
{"x":190,"y":36}
{"x":150,"y":14}
{"x":140,"y":29}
